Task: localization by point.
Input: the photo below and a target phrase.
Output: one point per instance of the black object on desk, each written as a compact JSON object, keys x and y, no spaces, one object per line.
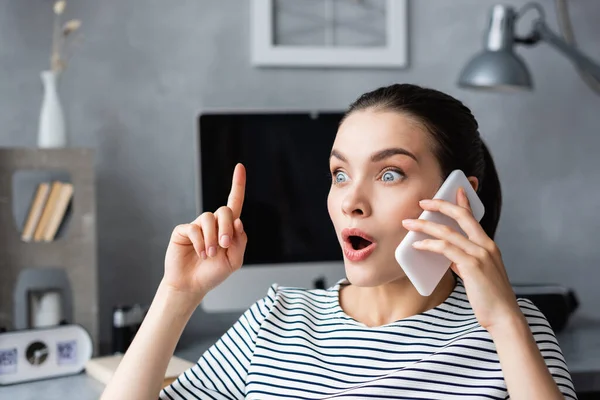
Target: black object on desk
{"x":126,"y":322}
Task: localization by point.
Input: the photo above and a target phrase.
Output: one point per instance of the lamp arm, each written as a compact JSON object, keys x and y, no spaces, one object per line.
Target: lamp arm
{"x":572,"y":53}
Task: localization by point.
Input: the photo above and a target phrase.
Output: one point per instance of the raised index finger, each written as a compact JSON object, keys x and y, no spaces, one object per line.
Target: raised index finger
{"x":238,"y":189}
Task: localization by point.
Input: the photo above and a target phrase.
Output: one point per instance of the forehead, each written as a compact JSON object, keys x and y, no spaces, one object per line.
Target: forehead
{"x":367,"y":131}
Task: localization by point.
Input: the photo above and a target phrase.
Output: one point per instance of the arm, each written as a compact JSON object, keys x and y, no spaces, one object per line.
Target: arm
{"x":141,"y":372}
{"x":525,"y":371}
{"x":525,"y":360}
{"x":199,"y":257}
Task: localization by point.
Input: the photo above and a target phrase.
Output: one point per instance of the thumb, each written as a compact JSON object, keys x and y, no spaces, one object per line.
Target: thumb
{"x":235,"y":252}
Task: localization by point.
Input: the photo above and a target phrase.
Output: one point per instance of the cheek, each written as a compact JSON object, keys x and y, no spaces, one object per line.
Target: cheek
{"x":394,"y":211}
{"x":334,"y":207}
{"x":331,"y":201}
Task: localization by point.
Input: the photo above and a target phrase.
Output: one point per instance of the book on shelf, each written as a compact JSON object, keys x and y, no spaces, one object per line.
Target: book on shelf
{"x":35,"y":211}
{"x":47,"y":212}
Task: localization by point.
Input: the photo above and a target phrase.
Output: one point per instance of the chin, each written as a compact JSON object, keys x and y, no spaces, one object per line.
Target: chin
{"x":370,"y":275}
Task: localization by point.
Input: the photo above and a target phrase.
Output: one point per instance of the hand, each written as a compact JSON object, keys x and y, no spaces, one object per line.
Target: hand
{"x":202,"y":254}
{"x":475,"y":259}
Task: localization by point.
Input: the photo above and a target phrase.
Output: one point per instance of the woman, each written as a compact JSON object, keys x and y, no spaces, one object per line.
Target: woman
{"x":371,"y":335}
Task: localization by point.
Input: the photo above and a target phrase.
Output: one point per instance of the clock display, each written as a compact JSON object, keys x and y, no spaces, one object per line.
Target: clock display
{"x":36,"y":353}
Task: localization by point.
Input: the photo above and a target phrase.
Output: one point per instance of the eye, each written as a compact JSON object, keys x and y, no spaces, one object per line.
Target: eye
{"x":340,"y":177}
{"x":391,"y":176}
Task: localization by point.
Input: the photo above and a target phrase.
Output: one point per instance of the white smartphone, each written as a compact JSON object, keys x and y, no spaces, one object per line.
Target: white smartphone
{"x":425,"y":269}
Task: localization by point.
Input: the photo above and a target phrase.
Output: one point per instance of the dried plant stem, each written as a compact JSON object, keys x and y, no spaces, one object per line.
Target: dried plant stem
{"x":58,"y":60}
{"x":55,"y":57}
{"x":74,"y":43}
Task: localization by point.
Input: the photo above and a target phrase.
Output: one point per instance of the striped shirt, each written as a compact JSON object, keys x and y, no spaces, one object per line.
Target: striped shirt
{"x":299,"y":344}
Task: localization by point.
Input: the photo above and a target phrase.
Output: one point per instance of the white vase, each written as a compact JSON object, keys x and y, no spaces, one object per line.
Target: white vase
{"x":51,"y":130}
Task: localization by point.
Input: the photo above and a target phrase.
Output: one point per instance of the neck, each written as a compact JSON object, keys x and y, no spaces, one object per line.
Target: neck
{"x":390,"y":302}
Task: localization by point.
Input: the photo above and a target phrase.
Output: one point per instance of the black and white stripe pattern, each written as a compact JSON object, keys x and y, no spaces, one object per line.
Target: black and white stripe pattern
{"x":299,"y":344}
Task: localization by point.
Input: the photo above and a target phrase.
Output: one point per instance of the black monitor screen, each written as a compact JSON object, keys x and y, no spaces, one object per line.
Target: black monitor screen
{"x":287,"y":162}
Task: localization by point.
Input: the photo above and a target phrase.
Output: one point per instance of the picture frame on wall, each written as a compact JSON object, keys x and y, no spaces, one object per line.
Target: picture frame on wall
{"x":329,"y":33}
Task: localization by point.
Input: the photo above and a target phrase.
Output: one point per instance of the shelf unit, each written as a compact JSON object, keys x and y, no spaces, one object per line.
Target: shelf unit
{"x":75,"y":251}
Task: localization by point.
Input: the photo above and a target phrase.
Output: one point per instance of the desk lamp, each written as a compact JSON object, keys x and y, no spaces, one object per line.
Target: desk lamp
{"x":499,"y":68}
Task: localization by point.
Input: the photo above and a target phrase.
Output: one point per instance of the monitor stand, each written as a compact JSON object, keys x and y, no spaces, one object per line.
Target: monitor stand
{"x":250,"y":283}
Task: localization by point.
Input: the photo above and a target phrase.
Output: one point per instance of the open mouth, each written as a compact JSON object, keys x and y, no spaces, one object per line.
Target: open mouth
{"x":358,"y":242}
{"x":358,"y":245}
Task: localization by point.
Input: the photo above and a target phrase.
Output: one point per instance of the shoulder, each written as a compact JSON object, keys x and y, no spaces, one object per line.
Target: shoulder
{"x":541,"y":329}
{"x":537,"y":321}
{"x":548,"y":345}
{"x":290,"y":297}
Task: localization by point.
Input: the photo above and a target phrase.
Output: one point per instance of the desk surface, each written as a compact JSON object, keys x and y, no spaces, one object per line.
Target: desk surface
{"x":580,"y":344}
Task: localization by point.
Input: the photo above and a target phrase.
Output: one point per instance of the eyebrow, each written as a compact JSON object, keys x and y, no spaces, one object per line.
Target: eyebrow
{"x":378,"y":156}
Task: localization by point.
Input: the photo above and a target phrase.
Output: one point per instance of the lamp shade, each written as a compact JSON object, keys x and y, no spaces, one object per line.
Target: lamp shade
{"x":497,"y":67}
{"x":497,"y":70}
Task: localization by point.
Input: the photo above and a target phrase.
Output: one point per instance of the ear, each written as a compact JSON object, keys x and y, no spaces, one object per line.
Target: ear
{"x":474,"y":182}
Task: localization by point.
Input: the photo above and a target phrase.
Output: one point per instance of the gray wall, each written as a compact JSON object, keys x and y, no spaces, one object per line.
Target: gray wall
{"x":146,"y":68}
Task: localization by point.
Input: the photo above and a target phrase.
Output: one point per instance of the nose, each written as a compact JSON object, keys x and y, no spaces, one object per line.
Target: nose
{"x":355,"y":203}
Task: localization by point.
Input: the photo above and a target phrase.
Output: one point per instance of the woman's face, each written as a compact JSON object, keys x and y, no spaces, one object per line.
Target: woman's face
{"x":381,"y":166}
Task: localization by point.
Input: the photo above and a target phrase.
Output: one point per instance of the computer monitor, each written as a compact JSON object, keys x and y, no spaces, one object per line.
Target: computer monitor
{"x":291,"y":239}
